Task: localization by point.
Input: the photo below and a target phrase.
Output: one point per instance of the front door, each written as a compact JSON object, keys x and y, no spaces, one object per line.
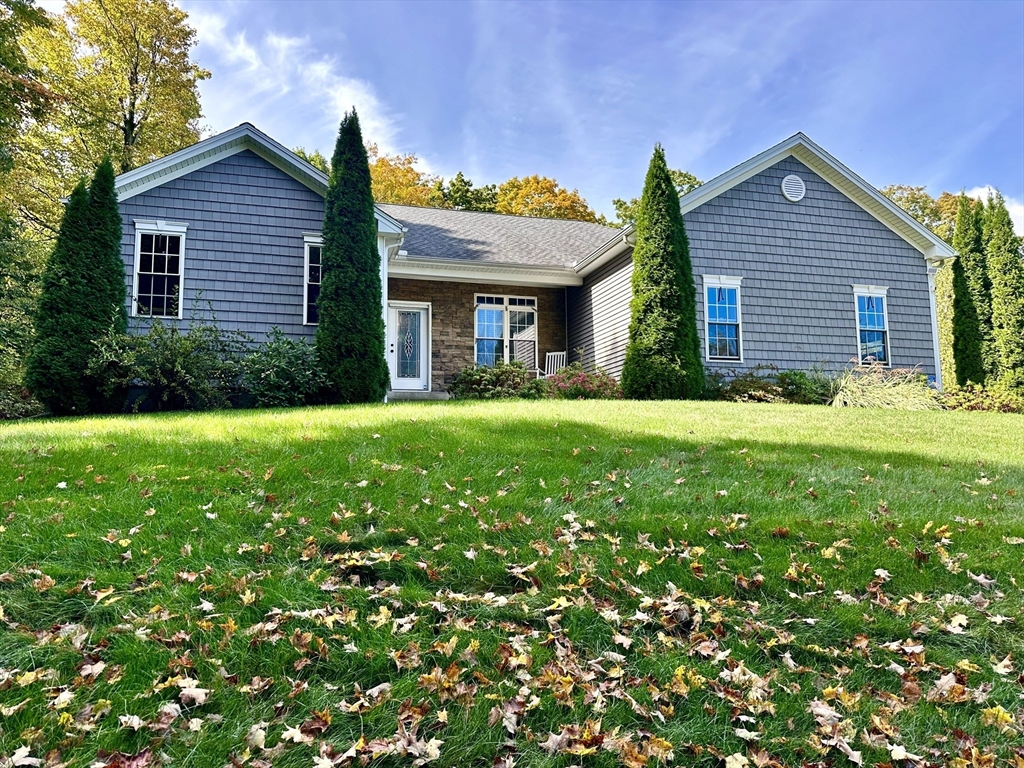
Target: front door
{"x":409,"y":346}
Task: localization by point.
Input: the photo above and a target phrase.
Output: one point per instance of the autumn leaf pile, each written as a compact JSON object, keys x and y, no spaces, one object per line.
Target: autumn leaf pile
{"x":612,"y":584}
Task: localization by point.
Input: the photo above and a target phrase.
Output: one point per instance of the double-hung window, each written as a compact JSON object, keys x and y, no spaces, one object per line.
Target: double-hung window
{"x":722,"y":318}
{"x":506,"y":330}
{"x":159,"y":269}
{"x":872,"y":324}
{"x":311,"y":281}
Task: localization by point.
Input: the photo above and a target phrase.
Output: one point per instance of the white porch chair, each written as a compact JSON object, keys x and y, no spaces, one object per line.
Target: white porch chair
{"x":553,"y":361}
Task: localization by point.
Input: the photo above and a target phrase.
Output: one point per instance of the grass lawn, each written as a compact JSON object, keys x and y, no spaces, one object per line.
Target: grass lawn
{"x":521,"y":583}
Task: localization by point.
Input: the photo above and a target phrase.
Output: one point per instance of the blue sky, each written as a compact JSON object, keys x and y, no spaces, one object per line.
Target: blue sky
{"x":902,"y":92}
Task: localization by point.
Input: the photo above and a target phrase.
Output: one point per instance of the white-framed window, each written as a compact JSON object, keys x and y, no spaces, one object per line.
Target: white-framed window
{"x":872,"y":305}
{"x":312,"y":272}
{"x":722,"y":318}
{"x":159,"y":276}
{"x":506,"y":329}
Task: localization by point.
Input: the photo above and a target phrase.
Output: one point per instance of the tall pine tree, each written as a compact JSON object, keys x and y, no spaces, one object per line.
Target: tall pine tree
{"x":968,"y":356}
{"x":1006,"y":272}
{"x":54,"y":372}
{"x":350,"y":332}
{"x":83,"y":295}
{"x":969,"y":237}
{"x":663,"y":358}
{"x":108,"y":266}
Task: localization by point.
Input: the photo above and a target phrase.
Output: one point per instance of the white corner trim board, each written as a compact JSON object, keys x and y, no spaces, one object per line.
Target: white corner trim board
{"x":932,"y":308}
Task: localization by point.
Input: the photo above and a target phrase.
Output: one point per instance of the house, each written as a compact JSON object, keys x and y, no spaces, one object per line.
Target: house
{"x":798,"y":263}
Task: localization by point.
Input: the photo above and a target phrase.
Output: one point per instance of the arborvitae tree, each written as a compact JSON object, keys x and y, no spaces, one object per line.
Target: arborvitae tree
{"x":55,"y":369}
{"x":1006,"y":272}
{"x":108,"y":284}
{"x":350,"y":333}
{"x":968,"y":356}
{"x":663,"y":358}
{"x":968,"y":242}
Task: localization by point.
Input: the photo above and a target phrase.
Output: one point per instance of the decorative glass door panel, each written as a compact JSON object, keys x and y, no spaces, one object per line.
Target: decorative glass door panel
{"x":409,"y":346}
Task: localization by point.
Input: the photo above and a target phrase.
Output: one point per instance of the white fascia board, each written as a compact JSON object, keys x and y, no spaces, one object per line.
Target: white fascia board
{"x":849,"y":183}
{"x":224,"y":145}
{"x":738,"y":174}
{"x":872,"y":201}
{"x":388,"y":225}
{"x":622,"y":241}
{"x":446,"y":270}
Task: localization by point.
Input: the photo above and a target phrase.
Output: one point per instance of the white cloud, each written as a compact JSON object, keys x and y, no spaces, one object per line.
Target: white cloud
{"x":280,"y":84}
{"x":1013,"y":205}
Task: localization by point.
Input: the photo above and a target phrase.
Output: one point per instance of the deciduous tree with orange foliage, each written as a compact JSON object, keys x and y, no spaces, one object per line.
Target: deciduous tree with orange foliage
{"x":543,"y":197}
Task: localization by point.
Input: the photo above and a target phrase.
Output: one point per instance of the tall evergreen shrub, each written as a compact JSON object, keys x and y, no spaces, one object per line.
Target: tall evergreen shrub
{"x":968,"y":238}
{"x":350,"y":332}
{"x":108,"y":283}
{"x":1006,"y":272}
{"x":82,"y":298}
{"x":55,"y":369}
{"x":663,"y":358}
{"x":968,"y":339}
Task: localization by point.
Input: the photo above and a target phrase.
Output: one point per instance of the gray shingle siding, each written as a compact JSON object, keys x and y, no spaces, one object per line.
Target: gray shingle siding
{"x":798,"y":262}
{"x":244,"y":249}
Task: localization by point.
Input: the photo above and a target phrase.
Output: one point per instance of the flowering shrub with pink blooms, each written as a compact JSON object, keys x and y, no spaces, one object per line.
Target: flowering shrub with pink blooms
{"x":575,"y":383}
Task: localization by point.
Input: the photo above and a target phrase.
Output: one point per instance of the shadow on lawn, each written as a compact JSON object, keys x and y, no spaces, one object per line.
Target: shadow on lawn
{"x":453,"y":442}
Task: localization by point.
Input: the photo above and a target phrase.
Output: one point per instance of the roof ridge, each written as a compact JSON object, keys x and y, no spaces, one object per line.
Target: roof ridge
{"x":499,"y":213}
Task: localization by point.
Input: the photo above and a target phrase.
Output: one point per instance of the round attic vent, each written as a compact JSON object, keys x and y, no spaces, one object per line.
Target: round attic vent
{"x":793,"y":188}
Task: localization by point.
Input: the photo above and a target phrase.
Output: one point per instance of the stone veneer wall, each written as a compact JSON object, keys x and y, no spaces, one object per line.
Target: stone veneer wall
{"x":453,"y":315}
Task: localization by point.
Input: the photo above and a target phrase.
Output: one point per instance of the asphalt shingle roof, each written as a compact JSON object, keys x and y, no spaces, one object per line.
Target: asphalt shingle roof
{"x":494,"y":238}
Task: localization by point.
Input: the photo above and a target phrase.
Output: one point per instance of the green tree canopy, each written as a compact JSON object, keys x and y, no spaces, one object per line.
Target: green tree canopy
{"x":123,"y":86}
{"x":22,"y":96}
{"x":314,"y":158}
{"x":663,"y":359}
{"x":626,"y":210}
{"x":458,"y":193}
{"x":1006,"y":273}
{"x":20,"y":262}
{"x":350,"y":332}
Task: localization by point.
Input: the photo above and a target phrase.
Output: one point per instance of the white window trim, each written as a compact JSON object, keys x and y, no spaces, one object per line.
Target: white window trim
{"x":314,"y":239}
{"x":158,"y":227}
{"x":724,"y":281}
{"x":877,"y":291}
{"x":504,"y":328}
